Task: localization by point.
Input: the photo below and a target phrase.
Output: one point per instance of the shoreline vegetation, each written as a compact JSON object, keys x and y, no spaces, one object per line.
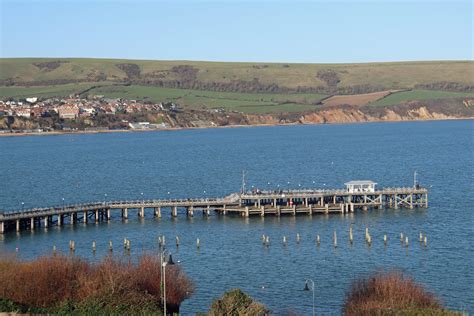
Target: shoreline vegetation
{"x":59,"y":284}
{"x":69,"y":285}
{"x":391,"y":293}
{"x":109,"y":131}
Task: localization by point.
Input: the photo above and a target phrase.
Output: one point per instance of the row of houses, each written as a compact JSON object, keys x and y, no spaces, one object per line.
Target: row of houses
{"x":72,"y":108}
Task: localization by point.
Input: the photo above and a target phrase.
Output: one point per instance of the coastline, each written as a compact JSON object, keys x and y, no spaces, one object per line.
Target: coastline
{"x":81,"y":132}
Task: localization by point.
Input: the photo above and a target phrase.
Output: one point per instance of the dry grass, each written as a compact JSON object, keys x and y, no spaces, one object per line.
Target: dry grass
{"x":389,"y":75}
{"x":52,"y":282}
{"x":390,"y":294}
{"x":357,"y":99}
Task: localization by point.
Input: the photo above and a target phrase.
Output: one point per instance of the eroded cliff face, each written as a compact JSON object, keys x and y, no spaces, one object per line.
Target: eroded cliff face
{"x":358,"y":115}
{"x":340,"y":114}
{"x":18,"y":124}
{"x":189,"y":118}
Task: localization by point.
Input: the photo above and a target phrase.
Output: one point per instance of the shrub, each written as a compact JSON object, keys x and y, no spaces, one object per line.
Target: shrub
{"x":236,"y":303}
{"x":390,"y":294}
{"x":63,"y":284}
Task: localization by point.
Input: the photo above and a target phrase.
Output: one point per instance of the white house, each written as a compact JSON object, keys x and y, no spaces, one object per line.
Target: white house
{"x":32,"y":100}
{"x":139,"y":125}
{"x":23,"y":112}
{"x":360,"y":186}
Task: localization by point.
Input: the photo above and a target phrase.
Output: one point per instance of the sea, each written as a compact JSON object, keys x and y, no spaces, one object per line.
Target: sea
{"x":203,"y":163}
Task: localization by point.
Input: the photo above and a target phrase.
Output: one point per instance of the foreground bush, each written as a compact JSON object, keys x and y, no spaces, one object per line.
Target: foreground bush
{"x":63,"y":284}
{"x":237,"y":303}
{"x":390,"y":294}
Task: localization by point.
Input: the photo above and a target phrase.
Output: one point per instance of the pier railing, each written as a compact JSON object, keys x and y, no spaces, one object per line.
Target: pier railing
{"x":231,"y":199}
{"x":274,"y":202}
{"x":116,"y":204}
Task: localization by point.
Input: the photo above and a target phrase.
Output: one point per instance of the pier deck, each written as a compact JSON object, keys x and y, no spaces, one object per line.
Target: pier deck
{"x":260,"y":203}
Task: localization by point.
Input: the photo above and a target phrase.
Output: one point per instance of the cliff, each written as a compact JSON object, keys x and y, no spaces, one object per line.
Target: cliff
{"x":413,"y":111}
{"x":193,"y":118}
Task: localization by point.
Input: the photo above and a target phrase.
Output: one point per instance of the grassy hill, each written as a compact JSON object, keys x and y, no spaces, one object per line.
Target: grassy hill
{"x":245,"y":87}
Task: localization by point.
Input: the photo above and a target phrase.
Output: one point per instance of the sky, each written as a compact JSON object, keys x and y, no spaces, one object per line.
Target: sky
{"x":270,"y":31}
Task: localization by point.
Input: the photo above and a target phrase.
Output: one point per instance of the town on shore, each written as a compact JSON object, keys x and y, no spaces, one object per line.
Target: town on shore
{"x":96,"y":113}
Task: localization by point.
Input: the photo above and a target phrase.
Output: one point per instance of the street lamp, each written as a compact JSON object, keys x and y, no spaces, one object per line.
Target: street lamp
{"x":164,"y":263}
{"x":105,"y":198}
{"x":307,"y":287}
{"x":22,"y":206}
{"x":143,"y":201}
{"x":63,"y":204}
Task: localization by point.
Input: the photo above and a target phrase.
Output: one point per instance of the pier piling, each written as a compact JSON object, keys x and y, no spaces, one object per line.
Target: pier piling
{"x":245,"y":204}
{"x":158,"y":212}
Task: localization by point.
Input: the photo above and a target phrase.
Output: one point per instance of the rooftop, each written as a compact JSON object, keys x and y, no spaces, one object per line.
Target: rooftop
{"x":360,"y":182}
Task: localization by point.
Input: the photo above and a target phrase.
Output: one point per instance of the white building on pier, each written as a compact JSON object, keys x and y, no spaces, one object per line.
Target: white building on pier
{"x":360,"y":186}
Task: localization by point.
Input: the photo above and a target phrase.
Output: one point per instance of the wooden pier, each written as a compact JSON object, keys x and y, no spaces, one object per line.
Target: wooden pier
{"x":358,"y":195}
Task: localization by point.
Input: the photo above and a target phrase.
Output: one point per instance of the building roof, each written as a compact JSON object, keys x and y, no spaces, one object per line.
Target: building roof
{"x":360,"y":182}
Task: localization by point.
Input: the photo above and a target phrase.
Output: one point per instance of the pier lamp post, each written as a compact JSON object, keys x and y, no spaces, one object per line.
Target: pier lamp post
{"x":63,"y":204}
{"x":105,"y":198}
{"x":143,"y":200}
{"x":22,"y":206}
{"x":163,"y":265}
{"x":309,"y":286}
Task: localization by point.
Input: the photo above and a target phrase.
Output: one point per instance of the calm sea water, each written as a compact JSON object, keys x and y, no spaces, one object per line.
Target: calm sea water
{"x":40,"y":171}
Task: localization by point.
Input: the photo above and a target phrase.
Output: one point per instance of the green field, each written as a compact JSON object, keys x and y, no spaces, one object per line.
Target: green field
{"x":231,"y":101}
{"x":44,"y":91}
{"x":415,"y":95}
{"x":239,"y":87}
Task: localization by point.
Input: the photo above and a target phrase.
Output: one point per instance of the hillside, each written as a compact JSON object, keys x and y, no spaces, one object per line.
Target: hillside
{"x":241,"y":87}
{"x":243,"y":77}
